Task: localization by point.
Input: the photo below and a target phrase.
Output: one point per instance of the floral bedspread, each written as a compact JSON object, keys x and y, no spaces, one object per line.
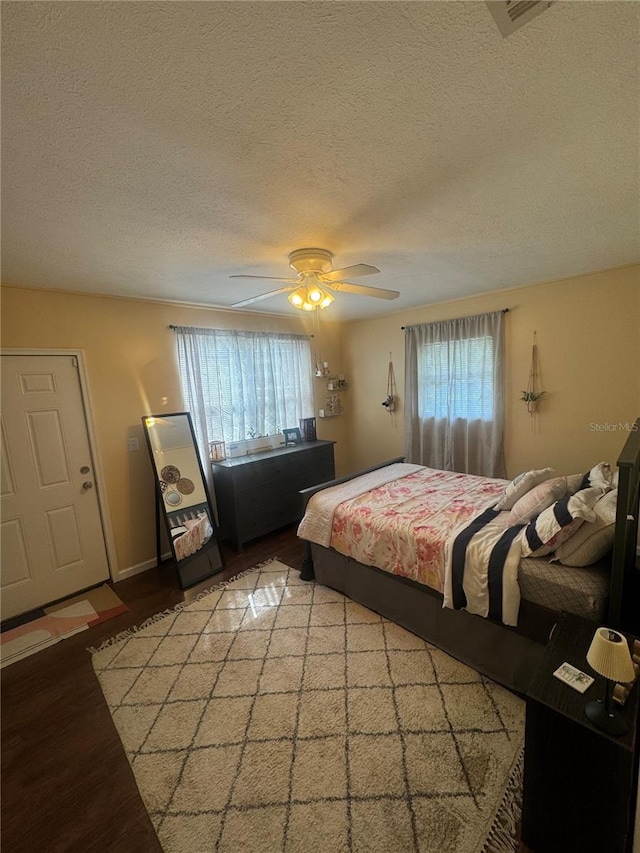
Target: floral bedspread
{"x":198,"y":532}
{"x":402,"y":527}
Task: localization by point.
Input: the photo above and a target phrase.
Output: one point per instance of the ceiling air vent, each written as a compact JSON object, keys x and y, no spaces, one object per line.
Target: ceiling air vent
{"x":510,"y":15}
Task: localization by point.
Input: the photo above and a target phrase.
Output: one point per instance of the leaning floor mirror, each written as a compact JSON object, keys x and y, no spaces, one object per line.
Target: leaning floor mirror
{"x":182,"y":496}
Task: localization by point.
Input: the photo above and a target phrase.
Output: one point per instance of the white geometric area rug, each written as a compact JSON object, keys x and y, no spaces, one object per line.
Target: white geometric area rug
{"x":276,"y":715}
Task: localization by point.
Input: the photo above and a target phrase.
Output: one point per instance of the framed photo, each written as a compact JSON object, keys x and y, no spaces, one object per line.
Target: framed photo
{"x":292,"y":436}
{"x":308,"y":429}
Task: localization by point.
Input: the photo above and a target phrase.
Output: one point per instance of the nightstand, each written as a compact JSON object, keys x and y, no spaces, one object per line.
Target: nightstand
{"x":579,"y":783}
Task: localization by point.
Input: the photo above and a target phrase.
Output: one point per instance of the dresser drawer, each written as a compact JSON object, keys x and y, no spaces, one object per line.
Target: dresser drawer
{"x":259,"y":472}
{"x":264,"y":522}
{"x":266,"y":495}
{"x":317,"y":458}
{"x":316,"y":476}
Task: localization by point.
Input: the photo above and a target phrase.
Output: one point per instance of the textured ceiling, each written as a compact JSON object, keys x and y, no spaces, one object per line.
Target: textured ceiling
{"x":153,"y":149}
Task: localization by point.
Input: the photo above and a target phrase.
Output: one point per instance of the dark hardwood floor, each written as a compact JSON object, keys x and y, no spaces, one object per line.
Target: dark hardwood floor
{"x":66,"y":782}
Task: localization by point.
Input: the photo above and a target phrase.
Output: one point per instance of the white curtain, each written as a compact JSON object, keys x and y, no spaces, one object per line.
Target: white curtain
{"x":238,"y":385}
{"x":454,"y":399}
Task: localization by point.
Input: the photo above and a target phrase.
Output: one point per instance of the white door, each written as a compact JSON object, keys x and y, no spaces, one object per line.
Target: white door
{"x":51,"y":531}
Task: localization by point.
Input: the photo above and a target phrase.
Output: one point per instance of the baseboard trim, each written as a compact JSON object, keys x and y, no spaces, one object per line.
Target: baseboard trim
{"x":140,"y":568}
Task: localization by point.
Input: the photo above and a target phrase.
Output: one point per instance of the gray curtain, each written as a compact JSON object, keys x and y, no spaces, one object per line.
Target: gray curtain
{"x":454,"y":398}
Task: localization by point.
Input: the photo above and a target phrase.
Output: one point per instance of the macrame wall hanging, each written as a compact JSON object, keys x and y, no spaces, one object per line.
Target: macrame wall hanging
{"x":390,"y":402}
{"x":533,"y":395}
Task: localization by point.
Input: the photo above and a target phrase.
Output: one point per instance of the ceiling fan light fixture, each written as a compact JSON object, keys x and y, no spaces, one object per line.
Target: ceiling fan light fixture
{"x":314,"y":271}
{"x":298,"y":297}
{"x":327,"y":300}
{"x":309,"y":298}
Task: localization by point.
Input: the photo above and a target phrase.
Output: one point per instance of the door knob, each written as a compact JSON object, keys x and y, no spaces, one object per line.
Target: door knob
{"x":87,"y":484}
{"x":85,"y":469}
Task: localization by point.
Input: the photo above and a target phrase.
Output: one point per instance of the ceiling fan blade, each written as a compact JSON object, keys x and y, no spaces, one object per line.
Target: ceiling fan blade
{"x":348,"y":272}
{"x":363,"y":290}
{"x":267,"y":278}
{"x":253,"y":299}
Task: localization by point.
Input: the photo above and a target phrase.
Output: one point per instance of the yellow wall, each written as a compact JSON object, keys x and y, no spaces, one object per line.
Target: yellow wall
{"x":132,"y":370}
{"x":589,"y":353}
{"x":588,"y":333}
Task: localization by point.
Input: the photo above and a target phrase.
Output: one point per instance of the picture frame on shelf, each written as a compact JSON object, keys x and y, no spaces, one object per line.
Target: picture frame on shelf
{"x":308,"y":429}
{"x":292,"y":436}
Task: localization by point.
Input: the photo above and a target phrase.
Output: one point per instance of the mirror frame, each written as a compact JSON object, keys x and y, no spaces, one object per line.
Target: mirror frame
{"x":207,"y":560}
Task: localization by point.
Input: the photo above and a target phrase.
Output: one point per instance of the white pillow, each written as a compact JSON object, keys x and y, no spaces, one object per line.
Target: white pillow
{"x":547,"y":525}
{"x":522,"y":484}
{"x":594,"y":539}
{"x":600,"y":475}
{"x":574,"y":483}
{"x":536,"y":500}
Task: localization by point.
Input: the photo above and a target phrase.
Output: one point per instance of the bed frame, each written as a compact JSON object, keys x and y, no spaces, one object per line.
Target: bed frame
{"x":507,"y":655}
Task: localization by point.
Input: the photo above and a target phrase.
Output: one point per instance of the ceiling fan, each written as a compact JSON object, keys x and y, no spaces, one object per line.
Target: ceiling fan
{"x":309,"y":290}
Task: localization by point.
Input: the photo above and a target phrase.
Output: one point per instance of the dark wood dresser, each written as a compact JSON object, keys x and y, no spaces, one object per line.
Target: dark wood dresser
{"x":258,"y":494}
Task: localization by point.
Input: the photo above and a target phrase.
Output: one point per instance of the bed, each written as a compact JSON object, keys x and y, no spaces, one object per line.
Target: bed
{"x":607,"y":592}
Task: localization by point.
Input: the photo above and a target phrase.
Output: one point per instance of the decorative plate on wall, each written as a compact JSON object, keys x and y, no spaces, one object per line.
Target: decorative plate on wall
{"x":173,"y":498}
{"x":170,"y":474}
{"x":185,"y":486}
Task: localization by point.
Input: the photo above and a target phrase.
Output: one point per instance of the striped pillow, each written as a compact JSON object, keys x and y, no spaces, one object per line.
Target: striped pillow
{"x":562,"y":536}
{"x":542,"y":530}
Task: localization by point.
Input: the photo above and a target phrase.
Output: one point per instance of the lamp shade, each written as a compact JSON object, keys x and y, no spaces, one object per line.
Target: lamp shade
{"x":609,"y":656}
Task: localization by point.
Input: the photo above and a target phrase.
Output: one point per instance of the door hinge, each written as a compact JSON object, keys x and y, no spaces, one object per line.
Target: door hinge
{"x":74,"y":361}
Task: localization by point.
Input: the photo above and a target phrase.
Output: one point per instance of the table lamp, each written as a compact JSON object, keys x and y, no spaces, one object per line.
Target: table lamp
{"x":609,"y":656}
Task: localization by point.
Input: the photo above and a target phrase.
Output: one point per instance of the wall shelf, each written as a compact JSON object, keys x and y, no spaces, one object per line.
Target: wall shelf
{"x":333,"y":406}
{"x":334,"y":383}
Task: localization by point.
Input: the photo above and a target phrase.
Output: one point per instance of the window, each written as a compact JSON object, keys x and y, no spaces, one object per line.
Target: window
{"x":455,"y":379}
{"x":454,"y":406}
{"x":245,"y":384}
